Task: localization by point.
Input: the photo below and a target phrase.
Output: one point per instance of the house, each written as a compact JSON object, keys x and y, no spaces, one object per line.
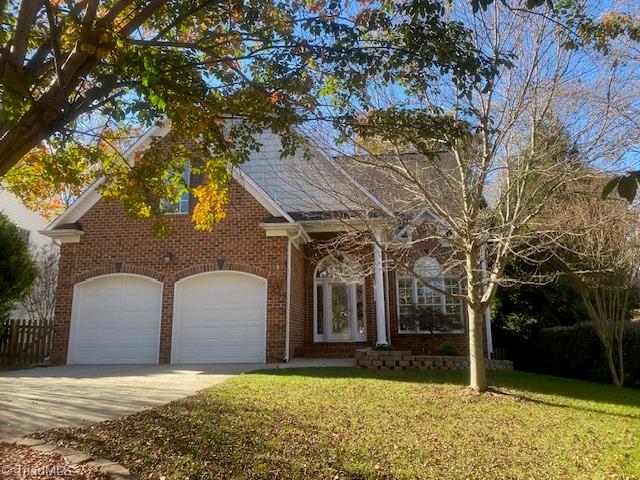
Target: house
{"x":31,"y":224}
{"x":255,"y":289}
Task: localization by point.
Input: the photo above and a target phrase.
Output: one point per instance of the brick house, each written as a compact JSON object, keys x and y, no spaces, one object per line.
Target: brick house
{"x":255,"y":289}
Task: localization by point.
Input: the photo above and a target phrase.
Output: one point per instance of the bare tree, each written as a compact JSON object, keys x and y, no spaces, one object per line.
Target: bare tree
{"x":598,"y":245}
{"x":472,"y":195}
{"x":40,"y":302}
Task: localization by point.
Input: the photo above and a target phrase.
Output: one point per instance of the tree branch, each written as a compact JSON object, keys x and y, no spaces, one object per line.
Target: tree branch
{"x":20,"y":43}
{"x":142,"y":16}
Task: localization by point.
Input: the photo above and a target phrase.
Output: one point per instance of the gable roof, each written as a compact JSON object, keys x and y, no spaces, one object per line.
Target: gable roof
{"x":308,"y":181}
{"x":91,"y":195}
{"x":297,"y":186}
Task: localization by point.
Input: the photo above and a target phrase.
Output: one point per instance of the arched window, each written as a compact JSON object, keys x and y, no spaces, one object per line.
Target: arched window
{"x":413,"y":292}
{"x":338,"y":301}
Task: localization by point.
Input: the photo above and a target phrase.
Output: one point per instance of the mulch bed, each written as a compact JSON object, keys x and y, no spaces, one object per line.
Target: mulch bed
{"x":19,"y":462}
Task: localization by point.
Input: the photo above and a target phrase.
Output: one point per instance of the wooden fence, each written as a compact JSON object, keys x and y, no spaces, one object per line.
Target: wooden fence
{"x":25,"y":342}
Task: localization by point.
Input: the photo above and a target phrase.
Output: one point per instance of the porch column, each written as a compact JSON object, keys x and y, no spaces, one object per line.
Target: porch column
{"x":487,"y":313}
{"x":381,"y":324}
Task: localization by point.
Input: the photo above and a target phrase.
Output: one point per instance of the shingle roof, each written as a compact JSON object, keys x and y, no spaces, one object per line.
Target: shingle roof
{"x":302,"y":184}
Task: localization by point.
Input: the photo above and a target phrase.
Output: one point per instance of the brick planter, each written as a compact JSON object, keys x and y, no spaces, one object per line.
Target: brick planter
{"x":404,"y":359}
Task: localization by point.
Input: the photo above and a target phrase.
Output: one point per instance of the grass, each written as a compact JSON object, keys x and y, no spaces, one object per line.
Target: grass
{"x":360,"y":424}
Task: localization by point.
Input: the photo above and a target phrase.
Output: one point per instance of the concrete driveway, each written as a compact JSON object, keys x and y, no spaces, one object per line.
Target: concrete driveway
{"x":43,"y":398}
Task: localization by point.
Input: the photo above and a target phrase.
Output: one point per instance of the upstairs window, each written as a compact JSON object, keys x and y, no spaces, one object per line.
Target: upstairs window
{"x":339,"y":301}
{"x":182,"y":204}
{"x":415,"y":295}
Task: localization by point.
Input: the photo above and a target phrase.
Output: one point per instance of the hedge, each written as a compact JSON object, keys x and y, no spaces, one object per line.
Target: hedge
{"x":577,"y":352}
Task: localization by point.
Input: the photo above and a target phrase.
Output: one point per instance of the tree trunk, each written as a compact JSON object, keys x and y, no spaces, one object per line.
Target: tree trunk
{"x":615,"y":360}
{"x":620,"y":362}
{"x":477,"y":369}
{"x":617,"y":380}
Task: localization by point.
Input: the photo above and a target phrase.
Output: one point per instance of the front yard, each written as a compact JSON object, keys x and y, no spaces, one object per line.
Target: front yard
{"x":348,"y":423}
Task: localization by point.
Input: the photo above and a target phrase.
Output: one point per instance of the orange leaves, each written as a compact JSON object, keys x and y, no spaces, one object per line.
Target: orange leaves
{"x":276,"y":96}
{"x":317,"y":6}
{"x":210,"y":208}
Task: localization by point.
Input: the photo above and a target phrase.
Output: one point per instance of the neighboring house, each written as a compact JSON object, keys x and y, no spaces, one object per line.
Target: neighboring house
{"x":255,"y":289}
{"x":31,"y":224}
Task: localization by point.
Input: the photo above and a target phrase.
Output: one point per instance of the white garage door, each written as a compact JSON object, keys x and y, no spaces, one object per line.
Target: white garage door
{"x":220,"y":317}
{"x":115,"y":319}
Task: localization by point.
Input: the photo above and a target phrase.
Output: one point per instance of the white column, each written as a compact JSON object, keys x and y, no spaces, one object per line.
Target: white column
{"x":381,"y":324}
{"x":487,"y":319}
{"x":487,"y":313}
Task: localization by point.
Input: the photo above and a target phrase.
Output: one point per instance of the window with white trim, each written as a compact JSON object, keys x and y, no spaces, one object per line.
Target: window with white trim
{"x":182,"y":204}
{"x":338,"y":314}
{"x":412,"y":293}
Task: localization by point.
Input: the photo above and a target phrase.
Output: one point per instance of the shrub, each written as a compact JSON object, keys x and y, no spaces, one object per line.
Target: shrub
{"x":17,"y":267}
{"x":383,"y":348}
{"x":448,"y":350}
{"x":429,"y":319}
{"x":577,"y":352}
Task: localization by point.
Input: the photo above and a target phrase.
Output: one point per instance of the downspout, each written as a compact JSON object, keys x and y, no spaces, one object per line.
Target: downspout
{"x":487,"y":313}
{"x":288,"y":307}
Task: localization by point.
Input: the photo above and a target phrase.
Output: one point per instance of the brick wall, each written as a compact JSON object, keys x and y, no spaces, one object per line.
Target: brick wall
{"x":297,"y":324}
{"x":113,"y":242}
{"x":312,"y":255}
{"x":419,"y":343}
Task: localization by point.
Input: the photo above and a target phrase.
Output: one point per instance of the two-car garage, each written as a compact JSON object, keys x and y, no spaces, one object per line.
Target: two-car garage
{"x":218,"y":317}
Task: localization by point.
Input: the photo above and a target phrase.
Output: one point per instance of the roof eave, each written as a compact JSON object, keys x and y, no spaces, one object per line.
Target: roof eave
{"x":64,"y":235}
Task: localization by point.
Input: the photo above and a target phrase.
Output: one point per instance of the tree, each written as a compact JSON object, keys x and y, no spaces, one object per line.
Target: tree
{"x":430,"y":319}
{"x":540,"y":298}
{"x":462,"y":169}
{"x":601,"y":255}
{"x":616,"y":32}
{"x":71,"y":71}
{"x":51,"y":176}
{"x":17,"y":267}
{"x":40,"y":302}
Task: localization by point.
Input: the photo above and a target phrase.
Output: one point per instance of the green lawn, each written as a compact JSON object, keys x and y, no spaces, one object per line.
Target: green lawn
{"x":357,"y":424}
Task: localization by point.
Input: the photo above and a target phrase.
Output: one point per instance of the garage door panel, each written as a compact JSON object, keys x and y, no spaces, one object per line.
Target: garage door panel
{"x":209,"y":298}
{"x":220,"y":317}
{"x":116,"y":319}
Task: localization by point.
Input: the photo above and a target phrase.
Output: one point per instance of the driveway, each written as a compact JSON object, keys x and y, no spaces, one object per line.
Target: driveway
{"x":43,"y":398}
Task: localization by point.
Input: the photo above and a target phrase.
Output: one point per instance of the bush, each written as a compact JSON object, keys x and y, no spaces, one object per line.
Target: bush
{"x":17,"y":267}
{"x":548,"y":305}
{"x":428,"y":318}
{"x":577,"y":352}
{"x":448,"y":350}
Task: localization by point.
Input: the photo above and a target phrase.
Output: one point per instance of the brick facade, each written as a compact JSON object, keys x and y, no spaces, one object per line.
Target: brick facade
{"x":297,"y":325}
{"x":421,"y":342}
{"x":113,"y":242}
{"x":416,"y":342}
{"x":331,"y":349}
